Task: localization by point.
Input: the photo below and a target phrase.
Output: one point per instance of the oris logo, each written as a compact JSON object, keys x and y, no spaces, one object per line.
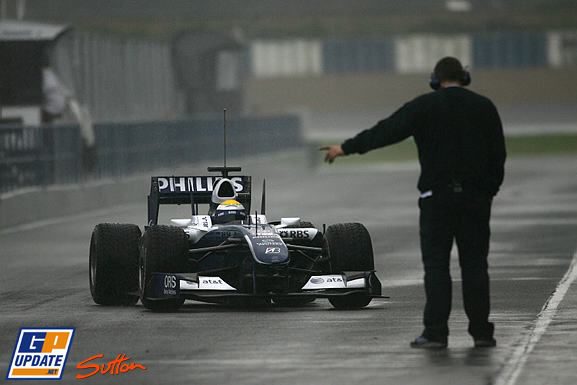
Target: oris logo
{"x":317,"y":280}
{"x":170,"y":285}
{"x":170,"y":282}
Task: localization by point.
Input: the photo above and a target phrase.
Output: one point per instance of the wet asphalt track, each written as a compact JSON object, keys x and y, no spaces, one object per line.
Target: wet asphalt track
{"x":44,"y":282}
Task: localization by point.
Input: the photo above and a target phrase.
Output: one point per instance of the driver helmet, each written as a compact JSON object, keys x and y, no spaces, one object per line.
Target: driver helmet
{"x":229,"y":211}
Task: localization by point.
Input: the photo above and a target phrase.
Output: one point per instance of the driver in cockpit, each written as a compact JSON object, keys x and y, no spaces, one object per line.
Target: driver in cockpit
{"x":228,"y":211}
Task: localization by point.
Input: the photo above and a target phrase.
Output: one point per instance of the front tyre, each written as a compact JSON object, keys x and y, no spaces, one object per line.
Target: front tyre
{"x":350,"y":302}
{"x":113,"y":264}
{"x":348,"y":247}
{"x":164,"y":249}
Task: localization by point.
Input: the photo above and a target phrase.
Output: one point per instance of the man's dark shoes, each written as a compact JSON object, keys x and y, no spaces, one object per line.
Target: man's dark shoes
{"x":423,"y":342}
{"x":485,"y":343}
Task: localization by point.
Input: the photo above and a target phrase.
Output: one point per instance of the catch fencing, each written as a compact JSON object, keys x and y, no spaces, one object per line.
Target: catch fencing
{"x":119,"y":79}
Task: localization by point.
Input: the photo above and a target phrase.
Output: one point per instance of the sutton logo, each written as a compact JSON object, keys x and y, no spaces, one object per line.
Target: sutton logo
{"x":40,"y":354}
{"x":113,"y":367}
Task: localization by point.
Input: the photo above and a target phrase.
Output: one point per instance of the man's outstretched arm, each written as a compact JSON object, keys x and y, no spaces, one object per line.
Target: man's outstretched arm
{"x":394,"y":129}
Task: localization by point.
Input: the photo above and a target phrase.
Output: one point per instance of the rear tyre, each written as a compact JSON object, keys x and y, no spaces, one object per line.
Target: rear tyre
{"x":164,"y":249}
{"x":348,"y":247}
{"x":113,"y":264}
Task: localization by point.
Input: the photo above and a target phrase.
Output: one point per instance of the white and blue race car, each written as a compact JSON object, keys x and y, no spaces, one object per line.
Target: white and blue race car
{"x":228,"y":255}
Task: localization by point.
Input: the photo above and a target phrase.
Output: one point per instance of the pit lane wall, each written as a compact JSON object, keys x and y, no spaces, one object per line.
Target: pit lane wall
{"x":49,"y":171}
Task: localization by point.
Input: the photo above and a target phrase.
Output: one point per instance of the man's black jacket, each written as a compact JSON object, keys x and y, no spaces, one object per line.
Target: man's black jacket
{"x":458,"y":134}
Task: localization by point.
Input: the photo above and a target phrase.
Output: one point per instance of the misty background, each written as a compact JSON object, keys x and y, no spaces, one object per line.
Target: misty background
{"x":143,"y":84}
{"x":334,"y":58}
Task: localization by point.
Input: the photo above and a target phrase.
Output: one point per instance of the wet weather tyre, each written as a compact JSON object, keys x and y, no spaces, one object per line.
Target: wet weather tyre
{"x":163,"y":249}
{"x":348,"y":247}
{"x":113,"y":264}
{"x":350,"y":302}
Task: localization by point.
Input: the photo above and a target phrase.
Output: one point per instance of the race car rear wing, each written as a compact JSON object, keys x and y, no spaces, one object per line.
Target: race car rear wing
{"x":176,"y":190}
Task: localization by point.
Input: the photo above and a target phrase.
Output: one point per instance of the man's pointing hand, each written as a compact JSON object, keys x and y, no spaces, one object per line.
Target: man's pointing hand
{"x":333,"y":152}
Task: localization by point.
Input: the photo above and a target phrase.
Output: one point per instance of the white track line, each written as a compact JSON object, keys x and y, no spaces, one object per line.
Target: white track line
{"x":513,"y":367}
{"x":64,"y":219}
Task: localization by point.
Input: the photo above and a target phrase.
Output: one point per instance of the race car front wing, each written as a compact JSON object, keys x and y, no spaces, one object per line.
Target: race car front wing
{"x":195,"y":286}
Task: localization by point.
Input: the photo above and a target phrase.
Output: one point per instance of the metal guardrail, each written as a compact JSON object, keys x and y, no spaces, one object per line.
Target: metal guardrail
{"x":38,"y":156}
{"x":48,"y":155}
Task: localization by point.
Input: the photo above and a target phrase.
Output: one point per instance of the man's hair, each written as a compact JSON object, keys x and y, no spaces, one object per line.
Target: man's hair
{"x":449,"y":69}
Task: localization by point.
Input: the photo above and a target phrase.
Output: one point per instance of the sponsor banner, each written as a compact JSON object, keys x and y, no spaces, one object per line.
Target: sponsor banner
{"x":206,"y":283}
{"x":202,"y":221}
{"x":294,"y":233}
{"x":334,"y":281}
{"x":267,"y":248}
{"x":165,"y":285}
{"x":213,"y":283}
{"x":40,"y":354}
{"x":198,"y":184}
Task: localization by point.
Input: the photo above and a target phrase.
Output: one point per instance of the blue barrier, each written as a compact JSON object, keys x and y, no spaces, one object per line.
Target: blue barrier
{"x":496,"y":50}
{"x":48,"y":155}
{"x":358,"y":55}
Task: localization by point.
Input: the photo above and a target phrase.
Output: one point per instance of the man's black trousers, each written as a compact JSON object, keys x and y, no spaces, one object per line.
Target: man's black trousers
{"x":462,"y":217}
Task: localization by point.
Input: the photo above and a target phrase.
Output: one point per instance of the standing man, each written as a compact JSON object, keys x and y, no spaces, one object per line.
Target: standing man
{"x":462,"y":155}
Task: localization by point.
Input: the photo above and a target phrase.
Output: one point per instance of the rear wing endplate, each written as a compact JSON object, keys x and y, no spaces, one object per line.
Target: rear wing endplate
{"x":176,"y":190}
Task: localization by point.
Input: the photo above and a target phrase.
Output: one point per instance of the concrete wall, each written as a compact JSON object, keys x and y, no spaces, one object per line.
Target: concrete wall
{"x":58,"y":201}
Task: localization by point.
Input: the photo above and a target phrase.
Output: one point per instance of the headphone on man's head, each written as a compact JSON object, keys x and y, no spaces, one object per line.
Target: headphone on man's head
{"x":435,"y":82}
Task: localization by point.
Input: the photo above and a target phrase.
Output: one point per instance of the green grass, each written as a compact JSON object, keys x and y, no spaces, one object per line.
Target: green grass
{"x":542,"y":144}
{"x":533,"y":145}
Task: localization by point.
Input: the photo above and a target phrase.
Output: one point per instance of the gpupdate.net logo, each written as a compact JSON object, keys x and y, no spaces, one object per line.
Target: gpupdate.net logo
{"x":40,"y":354}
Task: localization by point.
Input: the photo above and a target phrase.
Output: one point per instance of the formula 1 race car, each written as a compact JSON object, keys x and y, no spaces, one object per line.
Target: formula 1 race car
{"x":228,"y":255}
